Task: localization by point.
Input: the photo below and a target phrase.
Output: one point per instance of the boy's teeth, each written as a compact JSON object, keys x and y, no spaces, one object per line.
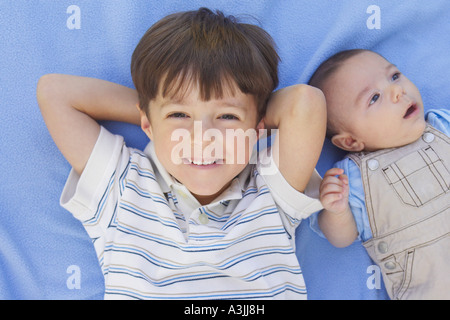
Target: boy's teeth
{"x":202,"y":163}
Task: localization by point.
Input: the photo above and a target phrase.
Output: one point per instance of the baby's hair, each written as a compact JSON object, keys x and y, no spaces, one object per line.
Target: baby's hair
{"x":208,"y":49}
{"x":325,"y":70}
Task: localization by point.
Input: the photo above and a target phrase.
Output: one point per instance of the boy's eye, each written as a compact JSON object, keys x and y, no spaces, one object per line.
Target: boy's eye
{"x":396,"y":76}
{"x":374,"y":98}
{"x":228,"y":117}
{"x":177,"y":115}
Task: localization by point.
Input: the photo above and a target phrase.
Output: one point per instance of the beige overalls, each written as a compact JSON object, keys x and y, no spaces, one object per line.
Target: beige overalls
{"x":407,"y":200}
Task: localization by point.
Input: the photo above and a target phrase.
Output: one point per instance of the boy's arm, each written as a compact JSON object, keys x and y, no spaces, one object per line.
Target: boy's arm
{"x":336,"y":219}
{"x":299,"y":114}
{"x":71,"y":105}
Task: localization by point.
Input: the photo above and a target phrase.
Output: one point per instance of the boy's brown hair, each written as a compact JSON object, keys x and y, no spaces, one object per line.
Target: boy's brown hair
{"x":207,"y":48}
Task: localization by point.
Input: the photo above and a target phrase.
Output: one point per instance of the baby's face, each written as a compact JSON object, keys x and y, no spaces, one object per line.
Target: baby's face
{"x":375,"y":103}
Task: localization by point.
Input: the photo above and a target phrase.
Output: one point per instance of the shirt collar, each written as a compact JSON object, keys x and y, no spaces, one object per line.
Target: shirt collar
{"x":164,"y":178}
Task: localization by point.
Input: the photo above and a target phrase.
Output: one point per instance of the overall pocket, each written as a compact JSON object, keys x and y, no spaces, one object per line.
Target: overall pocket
{"x":418,"y":177}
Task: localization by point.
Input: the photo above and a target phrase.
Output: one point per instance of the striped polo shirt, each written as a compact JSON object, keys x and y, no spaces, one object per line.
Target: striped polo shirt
{"x":155,"y":241}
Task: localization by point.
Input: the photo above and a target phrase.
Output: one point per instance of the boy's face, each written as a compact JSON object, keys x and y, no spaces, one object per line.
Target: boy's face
{"x":196,"y":141}
{"x":375,"y":106}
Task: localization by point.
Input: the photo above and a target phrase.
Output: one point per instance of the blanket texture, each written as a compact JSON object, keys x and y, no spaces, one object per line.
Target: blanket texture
{"x":44,"y":252}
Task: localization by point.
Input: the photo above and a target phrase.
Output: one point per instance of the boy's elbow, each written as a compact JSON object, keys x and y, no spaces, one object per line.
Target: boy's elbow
{"x":44,"y":82}
{"x":43,"y":88}
{"x":46,"y":87}
{"x":310,"y":101}
{"x":310,"y":107}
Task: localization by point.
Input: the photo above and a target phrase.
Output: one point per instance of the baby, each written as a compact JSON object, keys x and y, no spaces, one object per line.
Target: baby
{"x":392,"y":191}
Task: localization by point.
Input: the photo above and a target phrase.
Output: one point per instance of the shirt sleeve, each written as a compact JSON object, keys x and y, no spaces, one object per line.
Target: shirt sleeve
{"x":439,"y":119}
{"x":92,"y":197}
{"x":296,"y":204}
{"x":356,"y":201}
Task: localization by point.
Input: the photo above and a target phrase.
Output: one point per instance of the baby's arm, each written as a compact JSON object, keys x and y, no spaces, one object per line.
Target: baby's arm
{"x":336,"y":219}
{"x":299,"y":114}
{"x":70,"y":106}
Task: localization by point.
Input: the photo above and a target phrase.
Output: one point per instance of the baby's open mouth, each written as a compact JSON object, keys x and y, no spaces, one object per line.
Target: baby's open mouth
{"x":410,"y":111}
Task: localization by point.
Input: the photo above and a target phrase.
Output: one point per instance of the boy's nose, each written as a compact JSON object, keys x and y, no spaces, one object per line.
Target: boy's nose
{"x":198,"y":131}
{"x":204,"y":133}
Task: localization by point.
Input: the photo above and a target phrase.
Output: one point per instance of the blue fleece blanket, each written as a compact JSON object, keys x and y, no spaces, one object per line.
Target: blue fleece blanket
{"x":44,"y":252}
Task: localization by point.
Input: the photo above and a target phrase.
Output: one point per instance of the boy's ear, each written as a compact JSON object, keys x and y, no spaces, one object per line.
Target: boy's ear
{"x":346,"y":141}
{"x":260,"y":126}
{"x":145,"y":123}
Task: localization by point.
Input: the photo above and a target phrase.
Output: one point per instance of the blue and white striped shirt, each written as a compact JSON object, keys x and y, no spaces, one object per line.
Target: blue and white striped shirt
{"x":155,"y":241}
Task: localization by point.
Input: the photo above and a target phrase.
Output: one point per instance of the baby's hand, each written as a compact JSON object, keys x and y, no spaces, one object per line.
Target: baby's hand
{"x":334,"y":191}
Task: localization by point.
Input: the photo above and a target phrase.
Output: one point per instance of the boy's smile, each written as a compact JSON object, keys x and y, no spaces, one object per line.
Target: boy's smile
{"x":192,"y":138}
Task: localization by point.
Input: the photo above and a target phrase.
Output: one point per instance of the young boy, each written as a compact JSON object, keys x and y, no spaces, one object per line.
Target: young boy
{"x":395,"y":190}
{"x":192,"y":219}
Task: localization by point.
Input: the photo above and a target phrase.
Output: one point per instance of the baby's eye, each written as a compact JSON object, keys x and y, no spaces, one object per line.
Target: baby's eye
{"x":177,"y":115}
{"x":228,"y":117}
{"x":396,"y":76}
{"x":374,"y":98}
